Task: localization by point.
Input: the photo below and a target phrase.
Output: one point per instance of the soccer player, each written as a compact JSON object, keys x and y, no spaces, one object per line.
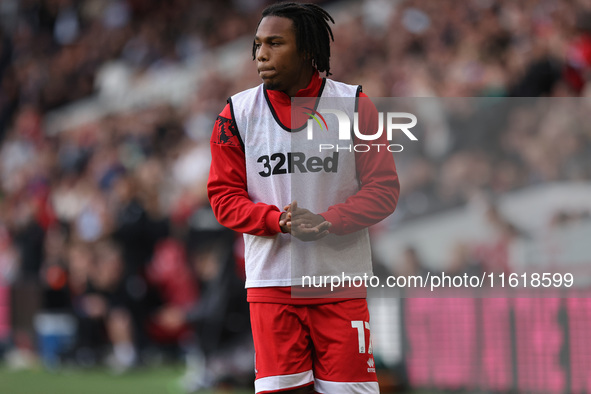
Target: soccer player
{"x":302,"y":345}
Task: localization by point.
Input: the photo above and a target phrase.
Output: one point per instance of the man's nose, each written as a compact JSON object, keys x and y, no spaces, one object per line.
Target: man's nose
{"x":263,"y":53}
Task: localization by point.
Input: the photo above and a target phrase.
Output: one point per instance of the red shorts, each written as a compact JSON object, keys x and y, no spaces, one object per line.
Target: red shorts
{"x":326,"y":345}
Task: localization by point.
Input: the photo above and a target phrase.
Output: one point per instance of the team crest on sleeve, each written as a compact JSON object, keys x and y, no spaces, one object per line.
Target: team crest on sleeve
{"x":228,"y":132}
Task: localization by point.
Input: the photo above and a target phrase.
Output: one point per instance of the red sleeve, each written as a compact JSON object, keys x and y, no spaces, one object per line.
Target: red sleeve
{"x":226,"y":187}
{"x":378,"y":195}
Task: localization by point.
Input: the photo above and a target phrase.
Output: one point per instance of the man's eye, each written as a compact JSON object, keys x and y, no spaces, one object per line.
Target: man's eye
{"x":257,"y":46}
{"x":275,"y":44}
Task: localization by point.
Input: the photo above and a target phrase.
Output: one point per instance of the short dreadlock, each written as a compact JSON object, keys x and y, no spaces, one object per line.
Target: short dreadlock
{"x":312,"y":31}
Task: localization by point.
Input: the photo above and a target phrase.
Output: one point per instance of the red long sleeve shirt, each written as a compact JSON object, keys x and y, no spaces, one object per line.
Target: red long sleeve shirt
{"x":228,"y":191}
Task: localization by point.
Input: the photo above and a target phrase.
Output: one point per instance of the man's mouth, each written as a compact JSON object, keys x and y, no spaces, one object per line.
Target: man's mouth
{"x":266,"y":72}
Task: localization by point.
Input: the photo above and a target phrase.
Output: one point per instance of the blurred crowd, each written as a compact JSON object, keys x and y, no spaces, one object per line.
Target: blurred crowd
{"x":109,"y":221}
{"x":52,"y":50}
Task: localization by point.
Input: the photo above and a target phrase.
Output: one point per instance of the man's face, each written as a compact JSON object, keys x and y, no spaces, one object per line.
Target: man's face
{"x":279,"y":63}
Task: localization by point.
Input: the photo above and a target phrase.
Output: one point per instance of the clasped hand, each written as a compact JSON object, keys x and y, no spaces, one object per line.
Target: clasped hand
{"x":302,"y":223}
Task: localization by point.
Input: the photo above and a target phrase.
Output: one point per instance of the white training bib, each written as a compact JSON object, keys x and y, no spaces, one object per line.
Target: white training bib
{"x":284,"y":165}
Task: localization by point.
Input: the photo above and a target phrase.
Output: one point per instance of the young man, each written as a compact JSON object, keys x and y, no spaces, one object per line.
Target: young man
{"x":303,"y":345}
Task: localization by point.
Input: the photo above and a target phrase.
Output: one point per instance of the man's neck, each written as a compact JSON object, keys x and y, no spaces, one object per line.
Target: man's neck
{"x":303,"y":82}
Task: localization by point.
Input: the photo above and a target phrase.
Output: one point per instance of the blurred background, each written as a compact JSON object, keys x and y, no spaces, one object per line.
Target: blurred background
{"x":115,"y":276}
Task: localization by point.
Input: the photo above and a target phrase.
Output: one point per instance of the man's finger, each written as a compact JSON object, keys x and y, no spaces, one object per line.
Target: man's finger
{"x":308,"y":236}
{"x":324,"y":226}
{"x":287,"y":217}
{"x":307,"y":228}
{"x":322,"y":234}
